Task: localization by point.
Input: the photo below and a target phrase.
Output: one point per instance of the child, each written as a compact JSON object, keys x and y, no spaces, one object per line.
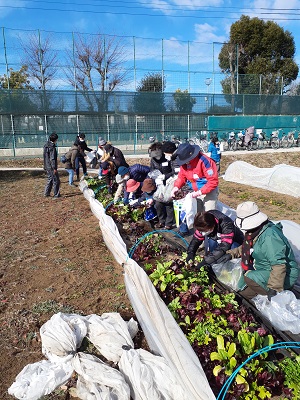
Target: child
{"x":214,"y":151}
{"x":108,"y":173}
{"x":133,"y":191}
{"x":146,"y":198}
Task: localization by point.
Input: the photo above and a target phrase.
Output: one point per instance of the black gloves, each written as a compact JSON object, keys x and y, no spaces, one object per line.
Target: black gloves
{"x":271,"y":293}
{"x":226,"y":257}
{"x":189,"y":257}
{"x":203,"y":263}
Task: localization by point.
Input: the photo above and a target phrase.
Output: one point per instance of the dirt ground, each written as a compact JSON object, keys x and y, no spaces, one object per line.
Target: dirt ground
{"x":53,"y":257}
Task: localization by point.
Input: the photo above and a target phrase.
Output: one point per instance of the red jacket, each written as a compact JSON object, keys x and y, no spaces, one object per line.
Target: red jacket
{"x":200,"y":173}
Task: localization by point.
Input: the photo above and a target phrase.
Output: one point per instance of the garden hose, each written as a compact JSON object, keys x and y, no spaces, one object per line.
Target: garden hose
{"x":266,"y":349}
{"x":108,"y":205}
{"x":133,"y":248}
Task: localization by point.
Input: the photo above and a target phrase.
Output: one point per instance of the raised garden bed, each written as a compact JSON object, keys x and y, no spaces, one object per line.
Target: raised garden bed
{"x":226,"y":332}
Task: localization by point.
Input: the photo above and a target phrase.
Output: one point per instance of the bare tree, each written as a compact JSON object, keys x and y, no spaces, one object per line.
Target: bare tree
{"x":98,"y":63}
{"x":40,"y":59}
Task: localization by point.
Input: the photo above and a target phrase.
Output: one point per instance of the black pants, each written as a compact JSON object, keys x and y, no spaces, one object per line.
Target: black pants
{"x":80,"y":160}
{"x":52,"y":181}
{"x":165,"y":213}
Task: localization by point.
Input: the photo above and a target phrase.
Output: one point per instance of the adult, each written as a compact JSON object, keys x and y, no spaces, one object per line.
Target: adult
{"x":200,"y":173}
{"x":115,"y":155}
{"x":221,"y":234}
{"x":100,"y":153}
{"x":70,"y":163}
{"x":169,"y":149}
{"x":267,"y":258}
{"x":159,"y":163}
{"x":138,"y":172}
{"x":50,"y":166}
{"x":82,"y":146}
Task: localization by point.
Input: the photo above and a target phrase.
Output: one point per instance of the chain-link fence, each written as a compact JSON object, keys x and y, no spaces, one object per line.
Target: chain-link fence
{"x":191,"y":66}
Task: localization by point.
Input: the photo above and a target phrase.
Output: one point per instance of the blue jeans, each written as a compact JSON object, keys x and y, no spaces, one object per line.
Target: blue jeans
{"x":71,"y":175}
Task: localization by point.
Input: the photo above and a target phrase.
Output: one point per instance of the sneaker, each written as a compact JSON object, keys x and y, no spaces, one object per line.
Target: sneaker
{"x":168,"y":227}
{"x":46,"y":195}
{"x":72,"y":184}
{"x":159,"y":225}
{"x":57,"y":197}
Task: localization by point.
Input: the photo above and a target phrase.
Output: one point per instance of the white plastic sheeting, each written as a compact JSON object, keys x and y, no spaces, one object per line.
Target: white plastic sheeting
{"x":283,"y":310}
{"x":141,"y":374}
{"x":281,"y":178}
{"x":164,"y":336}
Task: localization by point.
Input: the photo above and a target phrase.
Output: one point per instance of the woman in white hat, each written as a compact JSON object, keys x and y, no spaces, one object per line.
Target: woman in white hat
{"x":266,"y":255}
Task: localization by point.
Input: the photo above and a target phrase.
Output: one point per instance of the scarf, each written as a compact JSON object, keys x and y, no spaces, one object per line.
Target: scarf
{"x":247,"y":245}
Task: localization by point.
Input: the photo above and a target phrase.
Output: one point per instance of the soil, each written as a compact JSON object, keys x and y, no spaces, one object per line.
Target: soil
{"x":54,"y":259}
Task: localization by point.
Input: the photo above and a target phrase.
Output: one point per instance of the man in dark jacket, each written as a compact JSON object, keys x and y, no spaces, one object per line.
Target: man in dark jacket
{"x":221,"y":233}
{"x":50,"y":166}
{"x":82,"y":147}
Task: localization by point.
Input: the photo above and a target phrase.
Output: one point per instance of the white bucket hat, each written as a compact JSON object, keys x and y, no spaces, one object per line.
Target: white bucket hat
{"x":248,"y":216}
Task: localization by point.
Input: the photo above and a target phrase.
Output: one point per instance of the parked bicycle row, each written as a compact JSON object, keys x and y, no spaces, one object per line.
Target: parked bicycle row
{"x":248,"y":139}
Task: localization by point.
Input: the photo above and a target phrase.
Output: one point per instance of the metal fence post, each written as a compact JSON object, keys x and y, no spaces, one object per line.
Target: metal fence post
{"x":13,"y":134}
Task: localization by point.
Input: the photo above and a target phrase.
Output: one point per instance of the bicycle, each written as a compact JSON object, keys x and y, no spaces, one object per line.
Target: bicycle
{"x":275,"y":141}
{"x":201,"y":141}
{"x":262,"y":140}
{"x":288,"y":140}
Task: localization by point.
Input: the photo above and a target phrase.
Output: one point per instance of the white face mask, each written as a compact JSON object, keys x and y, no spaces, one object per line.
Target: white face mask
{"x":206,"y":233}
{"x":126,"y":177}
{"x":168,"y":157}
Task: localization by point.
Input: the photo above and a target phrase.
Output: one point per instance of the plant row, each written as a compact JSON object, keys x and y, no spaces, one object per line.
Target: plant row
{"x":222,"y":331}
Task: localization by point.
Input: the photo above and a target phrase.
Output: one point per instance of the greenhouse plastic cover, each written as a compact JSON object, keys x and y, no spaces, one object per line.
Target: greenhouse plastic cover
{"x":281,"y":178}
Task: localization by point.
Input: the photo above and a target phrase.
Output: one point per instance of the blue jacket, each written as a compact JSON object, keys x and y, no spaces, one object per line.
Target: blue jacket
{"x":139,"y":172}
{"x":215,"y":152}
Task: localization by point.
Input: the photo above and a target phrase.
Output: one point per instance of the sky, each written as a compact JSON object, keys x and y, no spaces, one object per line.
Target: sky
{"x":161,"y":34}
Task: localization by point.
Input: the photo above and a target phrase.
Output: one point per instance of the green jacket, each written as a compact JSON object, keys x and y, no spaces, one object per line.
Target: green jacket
{"x":274,"y":261}
{"x":275,"y":266}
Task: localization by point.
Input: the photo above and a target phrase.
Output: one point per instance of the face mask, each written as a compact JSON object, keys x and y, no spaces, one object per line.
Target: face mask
{"x":155,"y":154}
{"x":168,"y":157}
{"x":81,"y":140}
{"x":126,"y":177}
{"x":206,"y":233}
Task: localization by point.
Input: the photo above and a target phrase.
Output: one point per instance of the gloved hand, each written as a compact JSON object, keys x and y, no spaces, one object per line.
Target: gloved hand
{"x":174,"y":190}
{"x":203,"y":263}
{"x":132,"y":202}
{"x":271,"y":293}
{"x":226,"y":257}
{"x":189,"y":257}
{"x":196,"y":194}
{"x":149,"y":202}
{"x":158,"y":181}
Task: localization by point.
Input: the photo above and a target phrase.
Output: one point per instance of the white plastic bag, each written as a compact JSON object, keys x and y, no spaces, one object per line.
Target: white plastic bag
{"x":188,"y":210}
{"x":230,"y":273}
{"x":283,"y":310}
{"x":163,"y":192}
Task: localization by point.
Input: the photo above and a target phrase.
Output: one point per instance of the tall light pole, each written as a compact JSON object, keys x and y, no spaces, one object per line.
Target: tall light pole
{"x":207,"y":83}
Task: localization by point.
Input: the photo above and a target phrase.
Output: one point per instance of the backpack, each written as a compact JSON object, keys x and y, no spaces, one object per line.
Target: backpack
{"x":65,"y":157}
